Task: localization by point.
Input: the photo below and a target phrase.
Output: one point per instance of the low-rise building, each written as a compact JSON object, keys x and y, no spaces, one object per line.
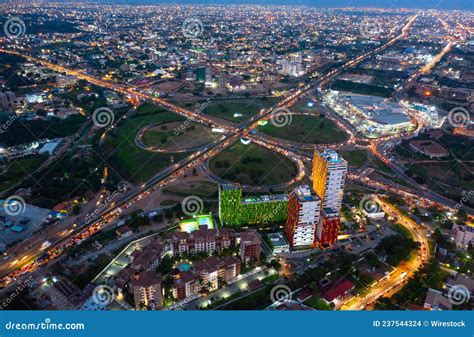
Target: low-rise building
{"x":462,"y":235}
{"x":203,"y":240}
{"x":250,"y":244}
{"x":206,"y":275}
{"x":437,"y":300}
{"x":149,"y":258}
{"x":279,"y":243}
{"x":429,"y":148}
{"x":147,"y":290}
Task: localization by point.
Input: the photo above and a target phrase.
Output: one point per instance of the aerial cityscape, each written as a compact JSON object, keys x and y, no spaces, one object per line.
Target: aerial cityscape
{"x":236,"y":157}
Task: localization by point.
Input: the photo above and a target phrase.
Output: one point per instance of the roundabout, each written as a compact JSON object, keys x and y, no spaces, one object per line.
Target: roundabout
{"x":255,"y":167}
{"x":306,"y":131}
{"x":174,"y":137}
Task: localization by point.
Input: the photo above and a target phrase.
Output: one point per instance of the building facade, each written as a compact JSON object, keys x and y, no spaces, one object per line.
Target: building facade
{"x":203,"y":240}
{"x":328,"y":228}
{"x":462,"y":235}
{"x":304,"y":208}
{"x":250,"y":245}
{"x":147,"y":290}
{"x":236,"y":211}
{"x":329,"y":176}
{"x":205,"y":276}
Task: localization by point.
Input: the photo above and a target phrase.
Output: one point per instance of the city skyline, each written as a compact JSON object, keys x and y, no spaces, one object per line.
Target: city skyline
{"x":423,"y":4}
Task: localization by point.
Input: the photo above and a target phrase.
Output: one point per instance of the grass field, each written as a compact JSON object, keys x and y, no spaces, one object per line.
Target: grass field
{"x":252,"y":165}
{"x":174,"y":136}
{"x":203,"y":189}
{"x":447,"y":178}
{"x":380,"y":165}
{"x":247,"y":107}
{"x":307,"y":129}
{"x":126,"y":158}
{"x":17,"y":169}
{"x":356,"y":158}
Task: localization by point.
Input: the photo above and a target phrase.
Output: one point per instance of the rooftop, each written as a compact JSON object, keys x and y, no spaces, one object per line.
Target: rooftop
{"x":331,"y":156}
{"x":265,"y":198}
{"x":277,"y":239}
{"x":304,"y":194}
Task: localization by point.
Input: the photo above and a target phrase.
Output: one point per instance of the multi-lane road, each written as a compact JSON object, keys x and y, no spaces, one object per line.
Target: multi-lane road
{"x":388,"y":286}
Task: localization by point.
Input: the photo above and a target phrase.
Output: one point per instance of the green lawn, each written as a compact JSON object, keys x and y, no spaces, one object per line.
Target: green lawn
{"x":19,"y":169}
{"x":203,"y":189}
{"x":129,"y":160}
{"x":356,"y":158}
{"x":307,"y":129}
{"x":380,"y":165}
{"x":361,"y":88}
{"x":445,"y":177}
{"x":178,"y":136}
{"x":225,"y":109}
{"x":252,"y":164}
{"x":317,"y":303}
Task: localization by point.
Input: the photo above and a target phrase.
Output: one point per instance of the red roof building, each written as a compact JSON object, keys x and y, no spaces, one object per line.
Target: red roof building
{"x":339,"y":290}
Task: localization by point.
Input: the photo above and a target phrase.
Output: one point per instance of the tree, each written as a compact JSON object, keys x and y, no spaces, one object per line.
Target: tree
{"x":275,"y":265}
{"x":76,"y":209}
